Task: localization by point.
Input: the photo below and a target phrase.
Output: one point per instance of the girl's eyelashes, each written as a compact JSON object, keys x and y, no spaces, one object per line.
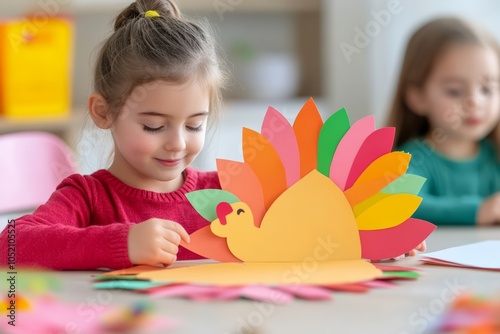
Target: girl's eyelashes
{"x":158,"y":129}
{"x":195,"y":128}
{"x":152,"y":130}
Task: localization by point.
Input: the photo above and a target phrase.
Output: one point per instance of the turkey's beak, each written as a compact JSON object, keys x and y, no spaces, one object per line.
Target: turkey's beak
{"x":222,"y":210}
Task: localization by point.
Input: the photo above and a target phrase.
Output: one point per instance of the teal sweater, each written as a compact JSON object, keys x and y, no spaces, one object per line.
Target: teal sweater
{"x":454,"y":189}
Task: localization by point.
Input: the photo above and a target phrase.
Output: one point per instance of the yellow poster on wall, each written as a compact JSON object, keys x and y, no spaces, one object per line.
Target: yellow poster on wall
{"x":36,"y":58}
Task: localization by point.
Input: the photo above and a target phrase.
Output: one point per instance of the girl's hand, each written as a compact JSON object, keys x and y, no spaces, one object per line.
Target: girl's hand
{"x":155,"y":241}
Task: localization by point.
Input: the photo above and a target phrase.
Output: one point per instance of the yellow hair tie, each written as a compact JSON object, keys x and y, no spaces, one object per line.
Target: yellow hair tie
{"x":151,"y":13}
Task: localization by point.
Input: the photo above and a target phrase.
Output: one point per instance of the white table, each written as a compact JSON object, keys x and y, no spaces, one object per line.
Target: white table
{"x":409,"y":308}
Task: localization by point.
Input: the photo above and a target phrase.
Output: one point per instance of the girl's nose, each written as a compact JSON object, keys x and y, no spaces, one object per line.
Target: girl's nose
{"x":175,"y":140}
{"x":471,"y":102}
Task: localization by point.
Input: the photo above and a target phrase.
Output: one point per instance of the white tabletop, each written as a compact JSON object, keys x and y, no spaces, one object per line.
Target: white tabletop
{"x":410,"y":307}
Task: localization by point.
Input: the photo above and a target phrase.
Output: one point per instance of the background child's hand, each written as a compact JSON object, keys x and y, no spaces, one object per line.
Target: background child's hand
{"x":489,"y":211}
{"x":155,"y":241}
{"x":422,"y":247}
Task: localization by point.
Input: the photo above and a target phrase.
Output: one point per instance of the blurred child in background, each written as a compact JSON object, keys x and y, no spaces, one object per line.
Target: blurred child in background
{"x":446,"y":105}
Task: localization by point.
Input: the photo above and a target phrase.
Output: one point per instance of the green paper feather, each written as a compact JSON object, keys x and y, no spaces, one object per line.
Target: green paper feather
{"x":205,"y":201}
{"x":330,"y":135}
{"x":405,"y":184}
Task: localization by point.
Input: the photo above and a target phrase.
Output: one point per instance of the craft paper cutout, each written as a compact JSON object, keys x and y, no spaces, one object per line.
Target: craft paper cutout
{"x":377,"y":144}
{"x":406,"y":183}
{"x":279,"y":132}
{"x":400,"y":275}
{"x":480,"y":255}
{"x":283,"y":235}
{"x":381,"y":244}
{"x":205,"y":201}
{"x":276,"y":294}
{"x":348,"y":147}
{"x":203,"y":241}
{"x":387,"y":267}
{"x":261,"y":156}
{"x":131,"y":271}
{"x":394,"y":209}
{"x":306,"y":291}
{"x":125,"y":284}
{"x":237,"y":177}
{"x":329,"y":137}
{"x":270,"y":216}
{"x":378,"y":175}
{"x":307,"y":127}
{"x":278,"y":273}
{"x":378,"y":195}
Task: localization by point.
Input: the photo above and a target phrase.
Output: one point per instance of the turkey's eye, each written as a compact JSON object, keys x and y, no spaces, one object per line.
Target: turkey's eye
{"x":240,"y":211}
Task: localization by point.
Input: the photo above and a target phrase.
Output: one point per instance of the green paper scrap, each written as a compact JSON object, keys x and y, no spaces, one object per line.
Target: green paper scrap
{"x":405,"y":184}
{"x":127,"y":284}
{"x":116,"y":277}
{"x":205,"y":201}
{"x":403,"y":274}
{"x":334,"y":129}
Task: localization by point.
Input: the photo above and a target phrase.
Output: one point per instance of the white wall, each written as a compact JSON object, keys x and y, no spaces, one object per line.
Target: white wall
{"x":365,"y":84}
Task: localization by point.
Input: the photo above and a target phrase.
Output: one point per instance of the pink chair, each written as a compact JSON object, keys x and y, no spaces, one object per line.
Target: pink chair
{"x":32,"y":164}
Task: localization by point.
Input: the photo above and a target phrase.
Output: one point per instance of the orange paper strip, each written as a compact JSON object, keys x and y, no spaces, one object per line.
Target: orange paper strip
{"x":307,"y":127}
{"x":265,"y":162}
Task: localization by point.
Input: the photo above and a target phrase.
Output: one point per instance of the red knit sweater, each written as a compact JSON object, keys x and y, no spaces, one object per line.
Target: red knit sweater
{"x":85,"y":223}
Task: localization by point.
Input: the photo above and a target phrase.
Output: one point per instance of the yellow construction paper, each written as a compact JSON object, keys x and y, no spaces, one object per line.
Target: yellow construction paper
{"x":311,"y":217}
{"x":307,"y":271}
{"x":363,"y":206}
{"x":388,"y":212}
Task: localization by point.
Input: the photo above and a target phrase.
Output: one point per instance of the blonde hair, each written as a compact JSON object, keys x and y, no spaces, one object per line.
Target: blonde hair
{"x":146,"y":48}
{"x":424,"y":47}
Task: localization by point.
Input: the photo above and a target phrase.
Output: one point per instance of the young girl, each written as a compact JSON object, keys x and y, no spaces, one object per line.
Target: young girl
{"x":446,"y":105}
{"x":157,"y":83}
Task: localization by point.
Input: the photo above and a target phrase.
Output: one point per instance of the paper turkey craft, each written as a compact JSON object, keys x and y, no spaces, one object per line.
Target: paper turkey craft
{"x":329,"y":195}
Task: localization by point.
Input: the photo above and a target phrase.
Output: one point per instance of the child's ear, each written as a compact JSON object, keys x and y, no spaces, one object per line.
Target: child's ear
{"x":99,"y":111}
{"x":415,"y":99}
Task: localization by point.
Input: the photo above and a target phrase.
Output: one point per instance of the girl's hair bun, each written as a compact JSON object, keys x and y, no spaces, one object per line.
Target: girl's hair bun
{"x":138,"y":9}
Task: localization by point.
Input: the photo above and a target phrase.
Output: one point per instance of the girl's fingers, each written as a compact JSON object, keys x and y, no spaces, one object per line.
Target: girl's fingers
{"x":182,"y":232}
{"x":177,"y":228}
{"x":169,"y":247}
{"x":167,"y":258}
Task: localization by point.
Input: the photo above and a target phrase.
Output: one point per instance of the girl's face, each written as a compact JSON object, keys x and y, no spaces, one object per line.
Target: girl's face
{"x":158,"y":133}
{"x":461,"y":95}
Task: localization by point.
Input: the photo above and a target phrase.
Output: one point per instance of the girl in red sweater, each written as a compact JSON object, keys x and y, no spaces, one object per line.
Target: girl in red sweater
{"x":157,"y":84}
